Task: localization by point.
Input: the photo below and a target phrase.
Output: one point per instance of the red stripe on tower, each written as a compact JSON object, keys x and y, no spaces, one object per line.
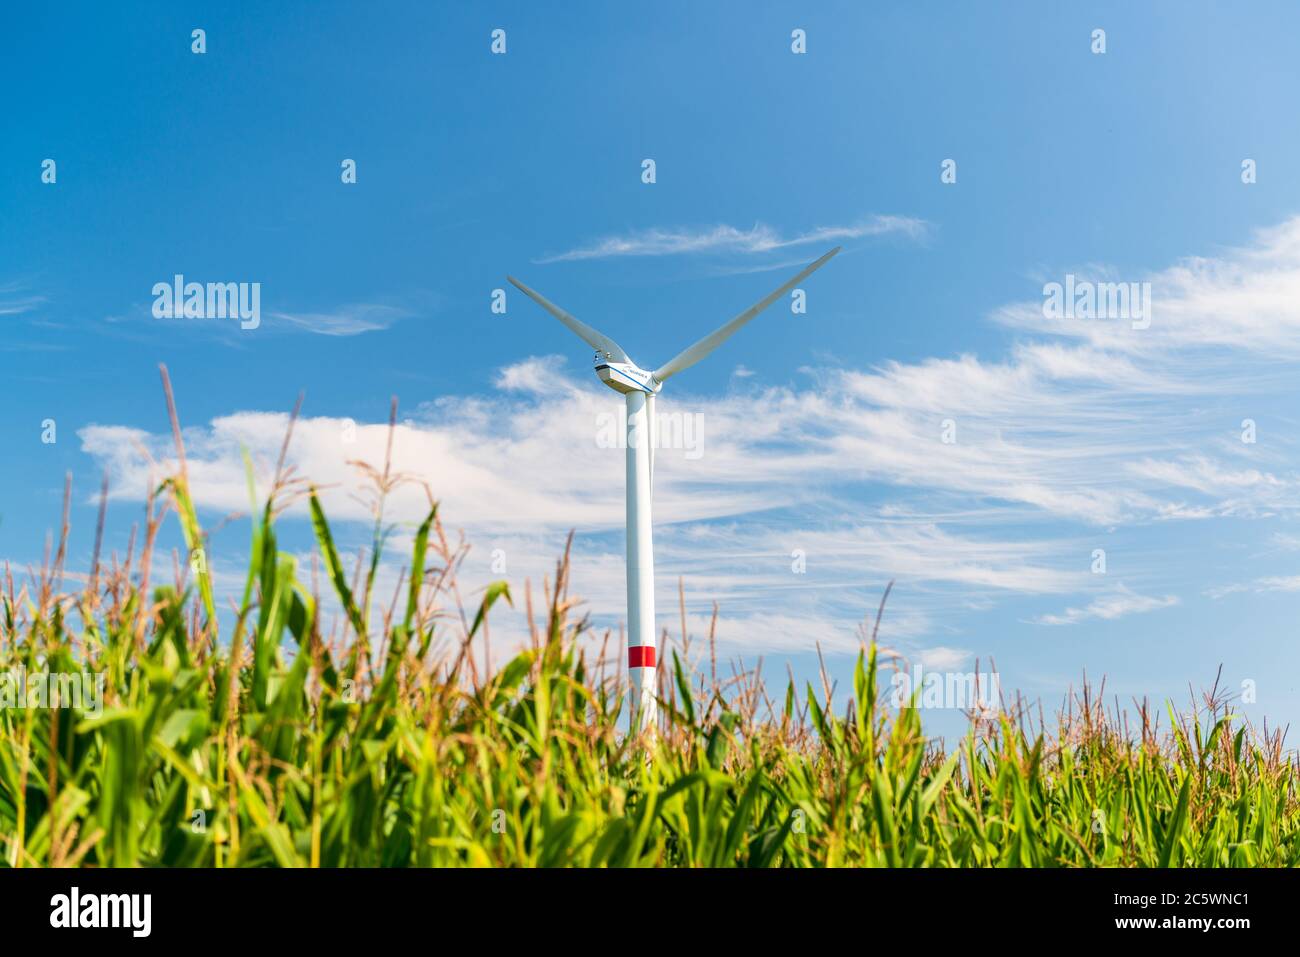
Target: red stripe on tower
{"x":641,"y":656}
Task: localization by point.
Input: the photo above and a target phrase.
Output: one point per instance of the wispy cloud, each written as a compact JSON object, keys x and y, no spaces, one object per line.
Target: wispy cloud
{"x":1270,"y":583}
{"x":1109,"y":607}
{"x":1246,"y":299}
{"x":349,"y":320}
{"x":942,"y":658}
{"x":760,"y":238}
{"x":14,"y":300}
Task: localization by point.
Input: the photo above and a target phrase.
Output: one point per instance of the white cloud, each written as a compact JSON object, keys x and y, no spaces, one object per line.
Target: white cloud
{"x":349,"y":320}
{"x":14,"y":300}
{"x":728,"y":239}
{"x":15,"y":307}
{"x":1270,"y":583}
{"x":1246,"y":299}
{"x":1109,"y":607}
{"x":942,"y":658}
{"x":1199,"y":473}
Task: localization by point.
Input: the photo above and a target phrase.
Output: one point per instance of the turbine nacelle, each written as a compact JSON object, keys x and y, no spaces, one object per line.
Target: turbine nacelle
{"x":625,"y":376}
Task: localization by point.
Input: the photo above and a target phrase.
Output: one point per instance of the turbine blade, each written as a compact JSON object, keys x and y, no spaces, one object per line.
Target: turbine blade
{"x":584,"y":332}
{"x":692,"y":355}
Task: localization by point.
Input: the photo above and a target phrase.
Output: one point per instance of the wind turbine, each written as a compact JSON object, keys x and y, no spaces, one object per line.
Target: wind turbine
{"x":640,"y":387}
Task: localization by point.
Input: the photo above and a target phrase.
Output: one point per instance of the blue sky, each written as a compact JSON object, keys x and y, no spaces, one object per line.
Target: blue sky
{"x":821,"y":430}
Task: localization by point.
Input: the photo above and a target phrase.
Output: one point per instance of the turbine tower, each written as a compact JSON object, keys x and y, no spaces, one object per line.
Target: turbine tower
{"x":639,"y":388}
